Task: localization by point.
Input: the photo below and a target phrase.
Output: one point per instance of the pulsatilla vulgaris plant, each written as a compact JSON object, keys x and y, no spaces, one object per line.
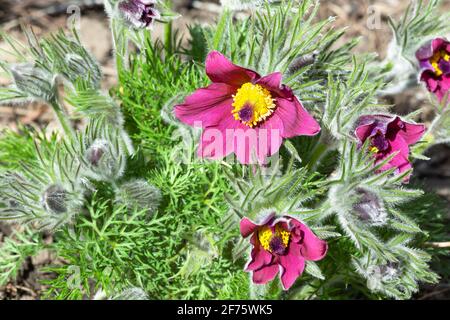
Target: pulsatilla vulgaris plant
{"x":260,"y":147}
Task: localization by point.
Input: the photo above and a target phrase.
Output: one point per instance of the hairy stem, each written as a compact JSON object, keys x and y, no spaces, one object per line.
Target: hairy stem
{"x":63,"y":118}
{"x":168,"y":32}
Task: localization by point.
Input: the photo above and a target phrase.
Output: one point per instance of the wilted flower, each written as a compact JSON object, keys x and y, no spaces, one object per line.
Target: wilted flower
{"x":389,"y":134}
{"x":280,"y":245}
{"x":140,"y":13}
{"x":243,"y":112}
{"x":434,"y":59}
{"x":369,"y":207}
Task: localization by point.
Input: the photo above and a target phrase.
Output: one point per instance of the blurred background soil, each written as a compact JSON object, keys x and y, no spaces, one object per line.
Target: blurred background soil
{"x":50,"y":15}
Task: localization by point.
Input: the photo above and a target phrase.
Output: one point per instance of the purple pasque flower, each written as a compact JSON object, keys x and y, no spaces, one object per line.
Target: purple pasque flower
{"x":140,"y":13}
{"x":387,"y":135}
{"x":434,"y":60}
{"x":280,"y":245}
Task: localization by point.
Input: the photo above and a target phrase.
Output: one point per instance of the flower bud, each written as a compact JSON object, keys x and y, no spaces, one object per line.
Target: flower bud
{"x":369,"y":208}
{"x":54,"y":199}
{"x":86,"y":68}
{"x":34,"y":82}
{"x":379,"y":275}
{"x":104,"y":161}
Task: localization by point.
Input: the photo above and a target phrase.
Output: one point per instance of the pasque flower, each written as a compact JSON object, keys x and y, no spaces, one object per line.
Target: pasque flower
{"x":140,"y":13}
{"x":434,"y":59}
{"x":243,"y":112}
{"x":280,"y":245}
{"x":388,"y":135}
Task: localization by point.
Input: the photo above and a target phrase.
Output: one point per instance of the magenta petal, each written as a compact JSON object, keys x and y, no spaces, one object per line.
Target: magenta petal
{"x":220,"y":69}
{"x":412,"y":132}
{"x":364,"y":131}
{"x":254,"y":145}
{"x":400,"y":160}
{"x":247,"y":227}
{"x":311,"y":247}
{"x":217,"y":141}
{"x":292,"y":266}
{"x":399,"y":144}
{"x":259,"y":258}
{"x":270,"y":137}
{"x":430,"y":81}
{"x":207,"y":105}
{"x":296,"y":120}
{"x":265,"y":274}
{"x":443,"y":87}
{"x":438,"y":44}
{"x":271,"y":82}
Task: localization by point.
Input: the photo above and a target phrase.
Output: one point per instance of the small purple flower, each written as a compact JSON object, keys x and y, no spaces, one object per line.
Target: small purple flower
{"x":434,"y":59}
{"x":141,"y":13}
{"x":389,"y":134}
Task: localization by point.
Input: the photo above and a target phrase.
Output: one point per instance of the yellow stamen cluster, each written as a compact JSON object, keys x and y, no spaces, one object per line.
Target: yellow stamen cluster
{"x":257,"y":98}
{"x":265,"y":235}
{"x":437,"y":56}
{"x":283,"y":234}
{"x":374,"y":149}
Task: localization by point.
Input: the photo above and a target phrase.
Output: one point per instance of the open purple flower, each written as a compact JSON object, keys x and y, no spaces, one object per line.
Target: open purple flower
{"x":244,"y":113}
{"x":434,"y":59}
{"x":140,"y":13}
{"x":387,"y":135}
{"x":280,"y":245}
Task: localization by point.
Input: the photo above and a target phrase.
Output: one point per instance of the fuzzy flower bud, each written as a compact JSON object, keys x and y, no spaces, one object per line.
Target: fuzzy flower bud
{"x":382,"y":274}
{"x":54,"y":199}
{"x":34,"y":82}
{"x":104,"y":161}
{"x":369,"y":207}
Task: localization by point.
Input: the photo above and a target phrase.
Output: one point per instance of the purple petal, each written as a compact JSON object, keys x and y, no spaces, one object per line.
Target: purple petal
{"x":444,"y":66}
{"x":425,"y":52}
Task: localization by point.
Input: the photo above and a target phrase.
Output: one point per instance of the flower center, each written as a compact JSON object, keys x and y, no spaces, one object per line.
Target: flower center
{"x":274,"y":241}
{"x":379,"y":143}
{"x":439,"y":59}
{"x":252,"y":104}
